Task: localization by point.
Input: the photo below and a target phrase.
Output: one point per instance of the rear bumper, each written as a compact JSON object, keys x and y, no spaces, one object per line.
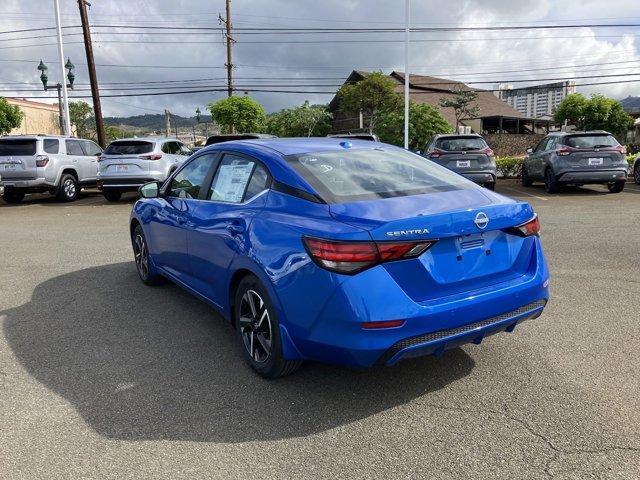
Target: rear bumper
{"x":480,"y":177}
{"x":28,"y":184}
{"x":597,"y":176}
{"x":430,"y":327}
{"x":124,"y":184}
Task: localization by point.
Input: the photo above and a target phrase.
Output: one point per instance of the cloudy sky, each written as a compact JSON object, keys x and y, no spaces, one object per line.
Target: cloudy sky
{"x":179,"y":59}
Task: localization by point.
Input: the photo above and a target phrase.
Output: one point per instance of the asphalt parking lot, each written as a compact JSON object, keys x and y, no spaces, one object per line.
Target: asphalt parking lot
{"x":102,"y":377}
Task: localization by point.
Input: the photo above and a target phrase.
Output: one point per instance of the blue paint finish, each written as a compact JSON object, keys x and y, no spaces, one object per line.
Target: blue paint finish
{"x":468,"y":275}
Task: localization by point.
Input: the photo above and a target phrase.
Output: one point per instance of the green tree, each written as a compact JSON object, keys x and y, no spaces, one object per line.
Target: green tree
{"x":463,"y":103}
{"x":112,"y":133}
{"x":303,"y":121}
{"x":572,"y":109}
{"x":374,"y":95}
{"x":81,"y":115}
{"x":424,"y":121}
{"x":595,"y":113}
{"x":10,"y":116}
{"x":240,"y":114}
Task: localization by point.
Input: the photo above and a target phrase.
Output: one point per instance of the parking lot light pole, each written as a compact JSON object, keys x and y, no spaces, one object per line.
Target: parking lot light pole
{"x":44,"y":78}
{"x":65,"y":98}
{"x":406,"y":74}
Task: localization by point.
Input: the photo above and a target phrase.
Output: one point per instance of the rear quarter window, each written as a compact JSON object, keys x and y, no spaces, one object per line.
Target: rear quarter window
{"x":51,"y":145}
{"x":17,"y":146}
{"x":128,"y":147}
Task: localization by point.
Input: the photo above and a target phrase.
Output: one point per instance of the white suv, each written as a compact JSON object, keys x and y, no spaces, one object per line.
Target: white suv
{"x":129,"y":163}
{"x":47,"y":163}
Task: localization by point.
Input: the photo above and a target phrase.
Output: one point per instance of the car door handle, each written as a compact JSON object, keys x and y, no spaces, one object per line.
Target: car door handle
{"x":235,"y":228}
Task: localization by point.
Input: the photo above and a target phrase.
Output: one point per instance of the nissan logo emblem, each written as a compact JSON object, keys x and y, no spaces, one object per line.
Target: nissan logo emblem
{"x":481,"y":220}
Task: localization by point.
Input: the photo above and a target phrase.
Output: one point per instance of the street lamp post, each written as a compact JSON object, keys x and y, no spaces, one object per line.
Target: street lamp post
{"x":44,"y":79}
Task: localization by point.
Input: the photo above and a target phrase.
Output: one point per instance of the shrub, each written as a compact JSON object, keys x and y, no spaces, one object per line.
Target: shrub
{"x":509,"y":166}
{"x":631,"y":157}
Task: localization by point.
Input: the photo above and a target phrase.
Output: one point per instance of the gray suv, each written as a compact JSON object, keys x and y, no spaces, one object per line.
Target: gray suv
{"x":636,"y":169}
{"x":469,"y":155}
{"x":576,"y":158}
{"x":129,"y":163}
{"x":47,"y":163}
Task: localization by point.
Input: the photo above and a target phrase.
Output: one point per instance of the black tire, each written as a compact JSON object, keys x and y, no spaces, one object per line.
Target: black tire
{"x":13,"y":197}
{"x":68,"y":188}
{"x":141,"y":258}
{"x":551,"y":185}
{"x":490,"y":186}
{"x":111,"y":195}
{"x":636,"y":173}
{"x":616,"y":187}
{"x":524,"y":178}
{"x":258,"y":332}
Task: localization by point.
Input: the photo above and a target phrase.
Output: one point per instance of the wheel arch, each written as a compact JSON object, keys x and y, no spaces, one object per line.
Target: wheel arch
{"x":64,"y":170}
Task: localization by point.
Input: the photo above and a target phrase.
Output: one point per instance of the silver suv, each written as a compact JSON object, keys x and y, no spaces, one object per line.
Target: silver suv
{"x":47,"y":163}
{"x":576,"y":158}
{"x":129,"y":163}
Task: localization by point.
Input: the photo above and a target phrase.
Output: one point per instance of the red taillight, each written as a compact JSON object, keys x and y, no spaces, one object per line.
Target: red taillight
{"x":382,"y":324}
{"x":353,"y":257}
{"x":564,"y":151}
{"x":487,"y":151}
{"x":436,"y":154}
{"x":621,"y":149}
{"x":42,"y":160}
{"x":532,"y":227}
{"x":151,"y":156}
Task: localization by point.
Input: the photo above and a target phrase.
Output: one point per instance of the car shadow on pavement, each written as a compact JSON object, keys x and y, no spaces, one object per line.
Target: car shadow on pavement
{"x":142,"y":363}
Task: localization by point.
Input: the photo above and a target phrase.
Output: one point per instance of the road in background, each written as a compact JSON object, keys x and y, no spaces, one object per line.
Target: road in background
{"x":103,"y":377}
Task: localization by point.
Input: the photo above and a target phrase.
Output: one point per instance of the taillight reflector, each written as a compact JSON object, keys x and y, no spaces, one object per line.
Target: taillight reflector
{"x":527,"y":229}
{"x":382,"y":324}
{"x":564,"y":151}
{"x":42,"y":160}
{"x":487,"y":151}
{"x":353,"y":257}
{"x":152,"y":156}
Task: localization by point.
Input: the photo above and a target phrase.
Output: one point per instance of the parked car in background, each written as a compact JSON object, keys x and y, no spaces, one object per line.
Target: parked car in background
{"x":1,"y":186}
{"x":357,"y":136}
{"x":357,"y":253}
{"x":576,"y":158}
{"x":636,"y":169}
{"x":128,"y":163}
{"x":47,"y":163}
{"x":227,"y":137}
{"x":469,"y":155}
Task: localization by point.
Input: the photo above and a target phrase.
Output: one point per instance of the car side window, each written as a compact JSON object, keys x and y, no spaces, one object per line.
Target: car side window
{"x":551,"y":143}
{"x":74,"y":147}
{"x":258,"y":183}
{"x":170,"y":147}
{"x":542,"y":145}
{"x":188,"y":181}
{"x":51,"y":145}
{"x":184,"y":150}
{"x":232,"y":179}
{"x":90,"y":148}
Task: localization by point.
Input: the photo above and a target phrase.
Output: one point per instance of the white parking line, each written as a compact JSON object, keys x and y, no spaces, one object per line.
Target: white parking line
{"x":524,"y":193}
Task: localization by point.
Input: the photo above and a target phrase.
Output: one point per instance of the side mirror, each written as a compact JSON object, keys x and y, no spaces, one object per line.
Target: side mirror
{"x":419,"y":152}
{"x":150,"y":190}
{"x":529,"y":149}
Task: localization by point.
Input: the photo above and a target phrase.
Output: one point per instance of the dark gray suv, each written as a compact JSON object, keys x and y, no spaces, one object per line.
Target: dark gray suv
{"x":469,"y":155}
{"x":576,"y":158}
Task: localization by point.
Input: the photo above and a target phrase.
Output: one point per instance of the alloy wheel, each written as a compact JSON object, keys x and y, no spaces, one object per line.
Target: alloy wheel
{"x":141,"y":255}
{"x":69,"y":188}
{"x":255,"y":326}
{"x":637,"y":174}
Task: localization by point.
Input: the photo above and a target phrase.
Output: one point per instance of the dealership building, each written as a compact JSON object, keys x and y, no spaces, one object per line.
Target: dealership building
{"x":535,"y":101}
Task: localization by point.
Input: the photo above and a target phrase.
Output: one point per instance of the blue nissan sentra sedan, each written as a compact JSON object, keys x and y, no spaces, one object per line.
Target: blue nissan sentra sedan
{"x":343,"y":251}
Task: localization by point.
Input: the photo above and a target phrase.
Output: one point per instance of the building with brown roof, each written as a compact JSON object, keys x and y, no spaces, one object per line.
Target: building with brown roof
{"x":494,"y":114}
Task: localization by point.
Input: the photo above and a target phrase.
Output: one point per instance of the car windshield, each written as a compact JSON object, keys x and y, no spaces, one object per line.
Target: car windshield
{"x":460,"y":144}
{"x":591,"y":141}
{"x":368,"y":174}
{"x":16,"y":146}
{"x":129,"y":147}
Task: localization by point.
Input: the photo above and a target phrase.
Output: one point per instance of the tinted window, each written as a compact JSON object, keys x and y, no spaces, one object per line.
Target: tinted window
{"x":258,"y":182}
{"x":171,"y":147}
{"x":543,"y":144}
{"x":73,"y":147}
{"x":10,"y":147}
{"x":91,"y":148}
{"x":184,"y":150}
{"x":363,"y":174}
{"x":459,"y":144}
{"x":231,"y":179}
{"x":128,"y":147}
{"x":51,"y":145}
{"x":591,"y":141}
{"x":189,"y":180}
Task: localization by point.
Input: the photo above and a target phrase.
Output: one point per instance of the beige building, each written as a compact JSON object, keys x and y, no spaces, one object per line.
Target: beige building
{"x":38,"y":118}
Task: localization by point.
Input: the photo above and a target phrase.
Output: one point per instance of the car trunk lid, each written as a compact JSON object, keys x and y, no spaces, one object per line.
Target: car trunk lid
{"x":18,"y":158}
{"x":128,"y":157}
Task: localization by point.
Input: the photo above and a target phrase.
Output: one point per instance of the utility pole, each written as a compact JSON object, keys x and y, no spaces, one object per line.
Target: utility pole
{"x":167,"y":122}
{"x":65,"y":98}
{"x":93,"y":79}
{"x":227,"y":23}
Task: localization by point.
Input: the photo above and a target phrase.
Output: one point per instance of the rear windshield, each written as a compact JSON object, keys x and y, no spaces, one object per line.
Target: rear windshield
{"x":591,"y":141}
{"x":368,"y":174}
{"x":10,"y":147}
{"x":460,"y":144}
{"x":129,"y":147}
